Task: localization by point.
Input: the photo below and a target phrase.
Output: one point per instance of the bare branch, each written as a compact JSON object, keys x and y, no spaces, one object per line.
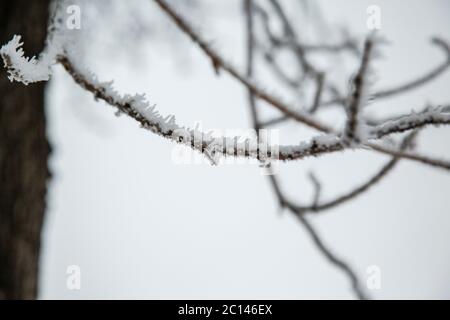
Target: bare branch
{"x":437,"y":163}
{"x":333,"y":259}
{"x":317,"y":188}
{"x":422,"y":80}
{"x":291,"y":36}
{"x":317,"y":207}
{"x":319,"y":90}
{"x":352,"y":131}
{"x":410,"y":85}
{"x":327,"y":252}
{"x":248,"y":8}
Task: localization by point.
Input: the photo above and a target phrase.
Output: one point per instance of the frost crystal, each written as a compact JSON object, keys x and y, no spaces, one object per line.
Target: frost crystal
{"x":23,"y":69}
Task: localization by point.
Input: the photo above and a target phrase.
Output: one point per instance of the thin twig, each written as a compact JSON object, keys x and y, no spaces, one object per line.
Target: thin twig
{"x":327,"y":252}
{"x":318,"y":95}
{"x":422,"y":80}
{"x":317,"y":206}
{"x":317,"y":188}
{"x":333,"y":259}
{"x":351,"y":132}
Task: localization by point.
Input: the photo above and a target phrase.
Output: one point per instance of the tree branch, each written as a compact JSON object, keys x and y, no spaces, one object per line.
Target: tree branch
{"x":276,"y":102}
{"x":352,"y":132}
{"x":324,"y":250}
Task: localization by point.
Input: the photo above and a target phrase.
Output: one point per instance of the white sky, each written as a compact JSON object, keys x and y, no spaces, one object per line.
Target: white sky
{"x":140,"y":226}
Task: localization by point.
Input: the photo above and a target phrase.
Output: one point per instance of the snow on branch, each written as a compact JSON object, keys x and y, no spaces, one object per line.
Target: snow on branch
{"x":356,"y":133}
{"x":138,"y":108}
{"x":23,"y":69}
{"x":219,"y":63}
{"x":27,"y":71}
{"x":432,"y":116}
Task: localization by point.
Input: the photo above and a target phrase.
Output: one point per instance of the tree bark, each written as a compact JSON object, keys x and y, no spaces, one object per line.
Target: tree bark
{"x":23,"y":156}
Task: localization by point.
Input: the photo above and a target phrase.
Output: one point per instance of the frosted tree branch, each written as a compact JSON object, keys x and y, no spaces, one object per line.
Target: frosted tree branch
{"x":357,"y":133}
{"x":305,"y":118}
{"x":27,"y":70}
{"x":23,"y":69}
{"x":137,"y":107}
{"x":432,"y":116}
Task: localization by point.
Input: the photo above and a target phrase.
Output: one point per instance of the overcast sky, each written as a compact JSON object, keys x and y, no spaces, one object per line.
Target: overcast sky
{"x":141,"y":226}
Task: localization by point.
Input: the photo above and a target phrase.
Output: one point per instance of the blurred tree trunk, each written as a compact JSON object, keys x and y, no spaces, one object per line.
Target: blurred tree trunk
{"x":23,"y":156}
